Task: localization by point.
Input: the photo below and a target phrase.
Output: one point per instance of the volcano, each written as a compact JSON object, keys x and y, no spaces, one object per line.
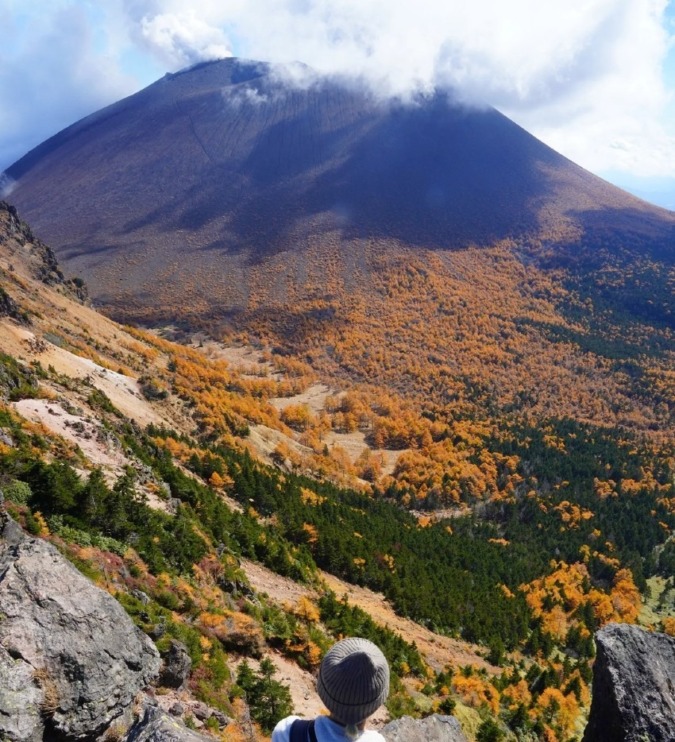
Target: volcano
{"x":206,"y":175}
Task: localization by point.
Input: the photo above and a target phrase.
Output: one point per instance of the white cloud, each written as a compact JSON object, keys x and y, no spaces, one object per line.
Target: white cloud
{"x":586,"y":76}
{"x":614,"y":117}
{"x":6,"y":185}
{"x":183,"y":39}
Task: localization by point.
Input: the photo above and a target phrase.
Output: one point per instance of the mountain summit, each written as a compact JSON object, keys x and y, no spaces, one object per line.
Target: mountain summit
{"x":210,"y":172}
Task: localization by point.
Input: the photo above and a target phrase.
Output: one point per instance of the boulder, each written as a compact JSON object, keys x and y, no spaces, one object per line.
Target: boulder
{"x":176,"y":666}
{"x":201,"y":711}
{"x":435,"y":728}
{"x":633,"y":686}
{"x":71,"y":658}
{"x":156,"y":726}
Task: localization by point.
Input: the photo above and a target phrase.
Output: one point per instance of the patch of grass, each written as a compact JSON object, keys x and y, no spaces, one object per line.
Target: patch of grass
{"x":654,"y":607}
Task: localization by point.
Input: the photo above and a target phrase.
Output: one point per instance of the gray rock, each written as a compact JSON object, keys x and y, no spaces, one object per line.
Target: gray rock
{"x":9,"y":308}
{"x":158,"y":630}
{"x":220,"y":717}
{"x":86,"y":659}
{"x":435,"y":728}
{"x":633,"y":686}
{"x":176,"y":666}
{"x":140,"y":595}
{"x":21,"y":701}
{"x":6,"y":439}
{"x":201,"y":711}
{"x":156,"y":726}
{"x":177,"y":709}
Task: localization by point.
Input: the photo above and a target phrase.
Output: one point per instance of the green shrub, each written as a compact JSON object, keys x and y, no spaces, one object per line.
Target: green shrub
{"x":17,"y":492}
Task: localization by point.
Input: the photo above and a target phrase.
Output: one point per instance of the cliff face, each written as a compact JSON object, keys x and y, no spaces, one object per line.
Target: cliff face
{"x":18,"y":239}
{"x":633,"y":686}
{"x":71,"y":661}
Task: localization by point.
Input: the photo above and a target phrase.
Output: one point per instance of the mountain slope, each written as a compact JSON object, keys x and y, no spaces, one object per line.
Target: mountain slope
{"x":207,"y":173}
{"x":78,"y":467}
{"x":548,"y":527}
{"x":437,"y":251}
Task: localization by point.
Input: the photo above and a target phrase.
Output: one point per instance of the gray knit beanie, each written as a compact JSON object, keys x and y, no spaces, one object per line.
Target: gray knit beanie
{"x":353,"y":680}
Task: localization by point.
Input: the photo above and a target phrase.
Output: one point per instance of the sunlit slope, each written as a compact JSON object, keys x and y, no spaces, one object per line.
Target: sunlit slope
{"x":211,"y":171}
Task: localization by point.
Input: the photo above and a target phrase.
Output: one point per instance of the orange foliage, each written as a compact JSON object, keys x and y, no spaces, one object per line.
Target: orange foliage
{"x":625,"y":597}
{"x":312,"y":533}
{"x":558,"y":709}
{"x":572,"y":515}
{"x":220,"y":482}
{"x":516,"y":694}
{"x":309,"y":497}
{"x":476,"y":692}
{"x":297,"y":416}
{"x":306,"y":610}
{"x":568,"y":586}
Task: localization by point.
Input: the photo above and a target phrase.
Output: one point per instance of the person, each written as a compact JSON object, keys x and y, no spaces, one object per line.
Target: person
{"x":353,"y":683}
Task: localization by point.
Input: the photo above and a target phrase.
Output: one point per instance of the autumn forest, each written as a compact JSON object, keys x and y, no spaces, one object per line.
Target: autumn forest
{"x":479,"y":433}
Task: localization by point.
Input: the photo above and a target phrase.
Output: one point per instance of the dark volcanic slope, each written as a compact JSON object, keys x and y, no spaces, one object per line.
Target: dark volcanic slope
{"x":216,"y":168}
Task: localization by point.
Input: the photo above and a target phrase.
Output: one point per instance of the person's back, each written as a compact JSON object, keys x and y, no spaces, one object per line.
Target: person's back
{"x":353,"y":683}
{"x":326,"y":730}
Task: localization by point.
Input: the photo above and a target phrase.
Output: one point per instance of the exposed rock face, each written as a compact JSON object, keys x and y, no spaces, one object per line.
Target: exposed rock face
{"x":41,"y":258}
{"x":9,"y":308}
{"x":70,"y":658}
{"x":21,"y":700}
{"x":633,"y":686}
{"x":176,"y":666}
{"x":434,"y":728}
{"x":156,"y":726}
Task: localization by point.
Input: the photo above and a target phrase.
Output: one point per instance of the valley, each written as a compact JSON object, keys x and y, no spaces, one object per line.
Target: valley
{"x":347,"y":368}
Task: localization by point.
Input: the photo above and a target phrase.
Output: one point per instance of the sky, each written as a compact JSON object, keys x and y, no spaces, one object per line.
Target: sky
{"x":594,"y":79}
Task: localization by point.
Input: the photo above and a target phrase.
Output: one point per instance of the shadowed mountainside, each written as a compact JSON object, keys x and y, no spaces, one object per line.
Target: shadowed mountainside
{"x":211,"y":171}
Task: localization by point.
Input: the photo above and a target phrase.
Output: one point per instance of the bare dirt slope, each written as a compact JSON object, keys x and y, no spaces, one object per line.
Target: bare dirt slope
{"x":438,"y":650}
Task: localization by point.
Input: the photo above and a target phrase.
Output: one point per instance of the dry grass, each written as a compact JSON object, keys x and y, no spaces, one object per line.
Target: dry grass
{"x":50,"y":697}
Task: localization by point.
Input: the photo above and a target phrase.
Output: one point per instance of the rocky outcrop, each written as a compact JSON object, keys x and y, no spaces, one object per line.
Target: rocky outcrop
{"x":633,"y":686}
{"x":41,"y":257}
{"x":434,"y":728}
{"x":71,"y":660}
{"x":156,"y":726}
{"x":175,"y":666}
{"x":9,"y":308}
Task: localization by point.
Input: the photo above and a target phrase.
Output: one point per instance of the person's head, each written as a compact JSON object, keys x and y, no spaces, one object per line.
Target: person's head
{"x":353,"y":681}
